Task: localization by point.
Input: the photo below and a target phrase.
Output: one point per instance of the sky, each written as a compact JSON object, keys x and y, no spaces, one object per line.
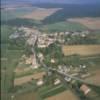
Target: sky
{"x":53,"y":1}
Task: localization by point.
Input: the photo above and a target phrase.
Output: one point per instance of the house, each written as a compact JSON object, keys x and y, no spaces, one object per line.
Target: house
{"x":40,"y":82}
{"x":40,"y":56}
{"x":14,"y":36}
{"x":68,"y":79}
{"x":52,"y":60}
{"x":67,"y":33}
{"x":85,"y":89}
{"x":57,"y":81}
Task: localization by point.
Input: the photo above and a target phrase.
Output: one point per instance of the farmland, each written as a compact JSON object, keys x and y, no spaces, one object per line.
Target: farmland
{"x":91,"y":23}
{"x":66,"y":95}
{"x":95,"y":79}
{"x":40,"y":13}
{"x":84,"y":50}
{"x":12,"y":13}
{"x":9,"y":59}
{"x":28,"y":78}
{"x":73,"y":11}
{"x":23,"y":50}
{"x":63,"y":26}
{"x":27,"y":96}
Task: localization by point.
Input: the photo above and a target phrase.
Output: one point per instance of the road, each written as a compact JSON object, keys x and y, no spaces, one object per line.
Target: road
{"x":63,"y":74}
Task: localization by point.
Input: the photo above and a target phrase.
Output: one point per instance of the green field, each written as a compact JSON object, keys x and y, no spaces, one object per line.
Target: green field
{"x":63,"y":26}
{"x":51,"y":90}
{"x":9,"y":60}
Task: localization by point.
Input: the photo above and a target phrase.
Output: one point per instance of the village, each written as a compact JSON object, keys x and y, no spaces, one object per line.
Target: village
{"x":30,"y":68}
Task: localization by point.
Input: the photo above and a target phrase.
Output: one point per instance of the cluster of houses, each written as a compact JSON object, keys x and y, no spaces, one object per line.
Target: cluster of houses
{"x":43,"y":41}
{"x":80,"y":71}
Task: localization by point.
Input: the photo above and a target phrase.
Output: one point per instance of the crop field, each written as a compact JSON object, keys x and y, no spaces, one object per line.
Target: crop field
{"x":27,"y":96}
{"x":84,"y":50}
{"x":66,"y":95}
{"x":40,"y":13}
{"x":91,"y":23}
{"x":63,"y":26}
{"x":95,"y":78}
{"x":25,"y":79}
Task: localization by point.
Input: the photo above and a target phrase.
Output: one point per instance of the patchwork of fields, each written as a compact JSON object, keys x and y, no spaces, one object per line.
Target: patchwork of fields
{"x":40,"y":18}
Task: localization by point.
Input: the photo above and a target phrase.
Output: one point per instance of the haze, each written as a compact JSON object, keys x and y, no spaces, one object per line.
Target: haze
{"x":52,"y":1}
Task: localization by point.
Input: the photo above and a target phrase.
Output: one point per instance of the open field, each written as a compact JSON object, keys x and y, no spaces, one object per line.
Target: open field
{"x":27,"y":96}
{"x":84,"y":50}
{"x":66,"y":95}
{"x":13,"y":13}
{"x":63,"y":26}
{"x":25,"y":79}
{"x":95,"y":78}
{"x":40,"y":13}
{"x":91,"y":23}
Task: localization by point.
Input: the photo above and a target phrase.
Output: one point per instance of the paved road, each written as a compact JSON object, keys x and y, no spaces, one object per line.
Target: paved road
{"x":57,"y":71}
{"x":63,"y":74}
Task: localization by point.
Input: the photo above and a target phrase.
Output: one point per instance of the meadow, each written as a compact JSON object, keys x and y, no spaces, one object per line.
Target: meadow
{"x":63,"y":26}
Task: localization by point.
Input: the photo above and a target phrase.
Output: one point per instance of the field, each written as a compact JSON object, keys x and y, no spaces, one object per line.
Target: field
{"x":40,"y":13}
{"x":73,"y":11}
{"x":84,"y":50}
{"x":91,"y":23}
{"x":66,"y":95}
{"x":95,"y":78}
{"x":27,"y":96}
{"x":25,"y":79}
{"x":13,"y":13}
{"x":63,"y":26}
{"x":9,"y":60}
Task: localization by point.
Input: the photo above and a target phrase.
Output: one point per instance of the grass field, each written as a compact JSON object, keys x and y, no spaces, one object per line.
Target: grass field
{"x":84,"y":50}
{"x":63,"y":26}
{"x":91,"y":23}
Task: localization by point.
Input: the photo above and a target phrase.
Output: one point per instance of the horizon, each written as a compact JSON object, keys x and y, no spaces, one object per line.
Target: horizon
{"x":51,"y":1}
